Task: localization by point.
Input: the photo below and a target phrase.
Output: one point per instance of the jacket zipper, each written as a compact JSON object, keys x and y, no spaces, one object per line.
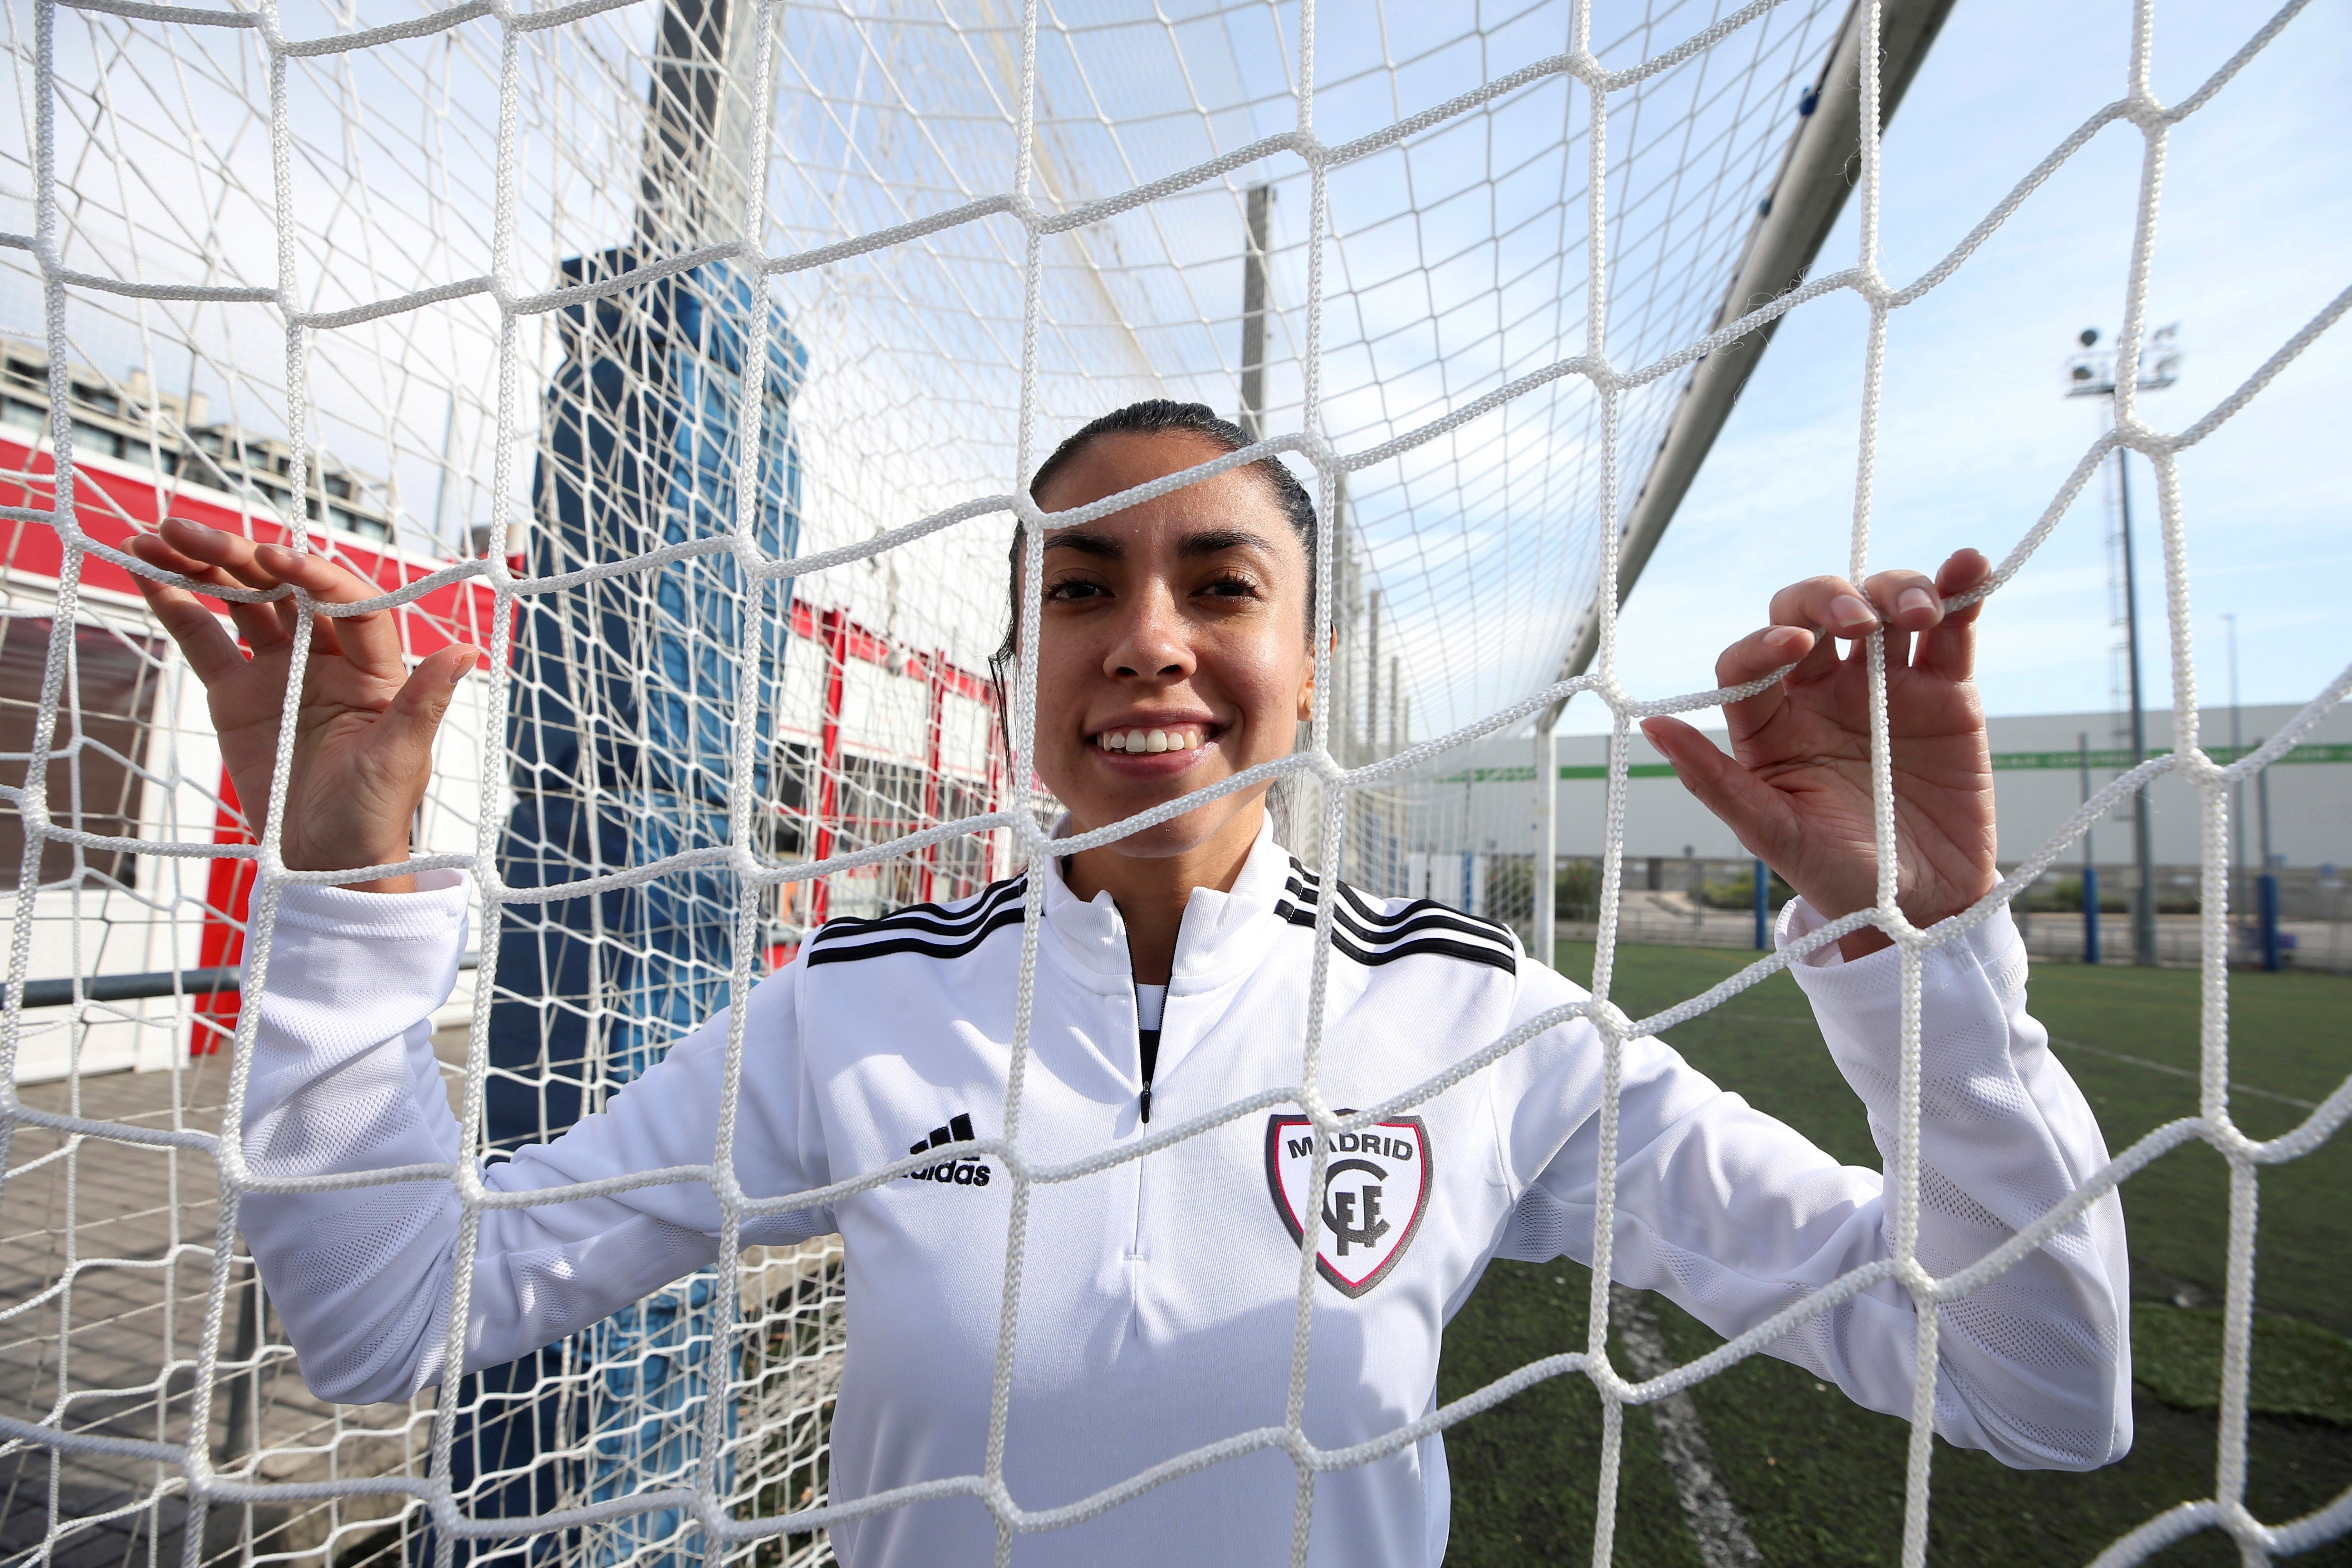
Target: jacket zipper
{"x":1147,"y":1051}
{"x":1147,"y":1048}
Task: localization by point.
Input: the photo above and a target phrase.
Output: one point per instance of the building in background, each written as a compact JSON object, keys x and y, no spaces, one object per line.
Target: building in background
{"x":1473,"y":817}
{"x":873,"y":735}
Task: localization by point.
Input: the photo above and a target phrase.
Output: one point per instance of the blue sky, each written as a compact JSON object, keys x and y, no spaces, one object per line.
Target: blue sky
{"x":1976,"y":437}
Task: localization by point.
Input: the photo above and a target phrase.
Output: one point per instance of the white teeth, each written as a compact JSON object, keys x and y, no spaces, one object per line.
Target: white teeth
{"x":1136,"y":742}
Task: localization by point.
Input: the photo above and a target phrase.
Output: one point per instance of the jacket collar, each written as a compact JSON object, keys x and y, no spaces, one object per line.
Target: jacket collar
{"x":1222,"y":936}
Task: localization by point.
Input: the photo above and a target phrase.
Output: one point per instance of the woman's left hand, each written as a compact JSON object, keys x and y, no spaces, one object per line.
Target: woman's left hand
{"x":1796,"y":788}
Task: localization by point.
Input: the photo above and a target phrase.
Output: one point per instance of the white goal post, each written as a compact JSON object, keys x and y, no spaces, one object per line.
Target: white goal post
{"x":692,"y":360}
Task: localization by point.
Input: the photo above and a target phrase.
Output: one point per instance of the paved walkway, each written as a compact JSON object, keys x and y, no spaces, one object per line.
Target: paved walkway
{"x":105,"y":1257}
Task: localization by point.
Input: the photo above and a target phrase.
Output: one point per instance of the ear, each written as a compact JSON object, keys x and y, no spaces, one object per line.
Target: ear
{"x":1307,"y":694}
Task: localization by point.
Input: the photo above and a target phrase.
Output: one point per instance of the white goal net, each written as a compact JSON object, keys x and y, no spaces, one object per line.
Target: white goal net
{"x":690,"y":356}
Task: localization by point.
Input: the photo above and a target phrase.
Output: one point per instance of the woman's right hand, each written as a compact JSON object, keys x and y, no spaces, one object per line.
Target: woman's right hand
{"x":364,"y":736}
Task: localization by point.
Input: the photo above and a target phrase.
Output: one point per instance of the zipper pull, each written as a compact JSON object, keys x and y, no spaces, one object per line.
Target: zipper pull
{"x":1146,"y":1104}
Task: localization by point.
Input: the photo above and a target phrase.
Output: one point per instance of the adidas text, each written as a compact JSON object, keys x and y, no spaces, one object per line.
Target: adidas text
{"x":963,"y":1170}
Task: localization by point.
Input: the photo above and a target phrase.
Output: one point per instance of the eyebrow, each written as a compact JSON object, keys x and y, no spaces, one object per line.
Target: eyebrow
{"x":1193,"y":546}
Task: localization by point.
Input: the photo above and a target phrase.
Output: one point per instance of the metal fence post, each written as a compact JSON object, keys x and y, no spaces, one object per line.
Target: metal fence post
{"x":1763,"y":906}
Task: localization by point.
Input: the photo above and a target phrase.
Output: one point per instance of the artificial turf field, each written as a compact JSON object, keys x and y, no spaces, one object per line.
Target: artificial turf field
{"x":1819,"y":1480}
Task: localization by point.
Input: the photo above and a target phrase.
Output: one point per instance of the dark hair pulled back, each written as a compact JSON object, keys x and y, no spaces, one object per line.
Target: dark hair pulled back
{"x":1155,"y":416}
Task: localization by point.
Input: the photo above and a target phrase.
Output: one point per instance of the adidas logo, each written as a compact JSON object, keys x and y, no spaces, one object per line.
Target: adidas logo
{"x":933,"y":930}
{"x":1365,"y":933}
{"x":970,"y":1171}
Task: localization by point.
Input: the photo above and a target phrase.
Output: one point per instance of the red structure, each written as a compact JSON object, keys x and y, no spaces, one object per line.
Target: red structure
{"x":843,"y":639}
{"x":111,"y":507}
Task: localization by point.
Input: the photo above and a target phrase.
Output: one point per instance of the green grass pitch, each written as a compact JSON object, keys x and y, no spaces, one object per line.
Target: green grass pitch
{"x":1819,"y":1480}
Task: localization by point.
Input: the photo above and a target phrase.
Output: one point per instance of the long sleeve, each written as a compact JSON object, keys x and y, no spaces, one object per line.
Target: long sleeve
{"x":1735,"y":1215}
{"x":344,"y":1079}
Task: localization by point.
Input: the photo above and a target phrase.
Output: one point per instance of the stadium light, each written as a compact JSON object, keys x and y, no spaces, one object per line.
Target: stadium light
{"x":2091,"y":374}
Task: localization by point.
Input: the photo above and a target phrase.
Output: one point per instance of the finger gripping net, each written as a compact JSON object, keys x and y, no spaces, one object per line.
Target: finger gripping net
{"x":869,"y":271}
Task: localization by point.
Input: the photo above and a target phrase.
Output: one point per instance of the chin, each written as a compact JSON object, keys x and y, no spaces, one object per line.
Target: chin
{"x":1177,"y":836}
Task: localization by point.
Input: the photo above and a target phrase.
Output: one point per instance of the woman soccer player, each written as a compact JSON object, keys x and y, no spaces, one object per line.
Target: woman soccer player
{"x":1157,"y":1296}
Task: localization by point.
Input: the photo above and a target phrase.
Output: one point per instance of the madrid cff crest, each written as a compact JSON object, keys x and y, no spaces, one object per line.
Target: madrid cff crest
{"x":1375,"y":1191}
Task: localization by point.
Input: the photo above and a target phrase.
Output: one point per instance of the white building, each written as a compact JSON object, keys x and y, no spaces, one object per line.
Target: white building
{"x":876,"y":732}
{"x":2038,"y":780}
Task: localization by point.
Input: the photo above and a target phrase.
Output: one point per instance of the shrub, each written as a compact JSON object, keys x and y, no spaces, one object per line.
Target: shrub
{"x":1740,"y":892}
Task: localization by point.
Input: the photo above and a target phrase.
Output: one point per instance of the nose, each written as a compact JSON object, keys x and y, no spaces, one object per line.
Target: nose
{"x":1152,"y":641}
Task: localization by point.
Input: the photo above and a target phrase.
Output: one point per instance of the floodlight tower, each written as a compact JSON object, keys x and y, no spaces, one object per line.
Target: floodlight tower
{"x":619,"y":736}
{"x":1254,"y":291}
{"x":2091,"y":373}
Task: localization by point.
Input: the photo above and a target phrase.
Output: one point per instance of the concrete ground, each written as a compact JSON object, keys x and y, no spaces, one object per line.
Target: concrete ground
{"x":106,"y":1259}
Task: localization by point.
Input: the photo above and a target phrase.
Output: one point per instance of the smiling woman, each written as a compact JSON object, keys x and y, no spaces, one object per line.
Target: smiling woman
{"x":697,"y":348}
{"x":1180,"y":963}
{"x":1175,"y":653}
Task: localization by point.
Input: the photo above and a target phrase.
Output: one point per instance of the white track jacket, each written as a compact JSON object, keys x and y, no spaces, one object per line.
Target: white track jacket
{"x":1157,"y":1296}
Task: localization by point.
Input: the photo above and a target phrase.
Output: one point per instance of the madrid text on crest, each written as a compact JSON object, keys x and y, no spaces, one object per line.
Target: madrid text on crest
{"x":1375,"y":1190}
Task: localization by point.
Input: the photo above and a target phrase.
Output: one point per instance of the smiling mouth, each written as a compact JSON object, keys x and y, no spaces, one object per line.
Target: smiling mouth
{"x":1171,"y":738}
